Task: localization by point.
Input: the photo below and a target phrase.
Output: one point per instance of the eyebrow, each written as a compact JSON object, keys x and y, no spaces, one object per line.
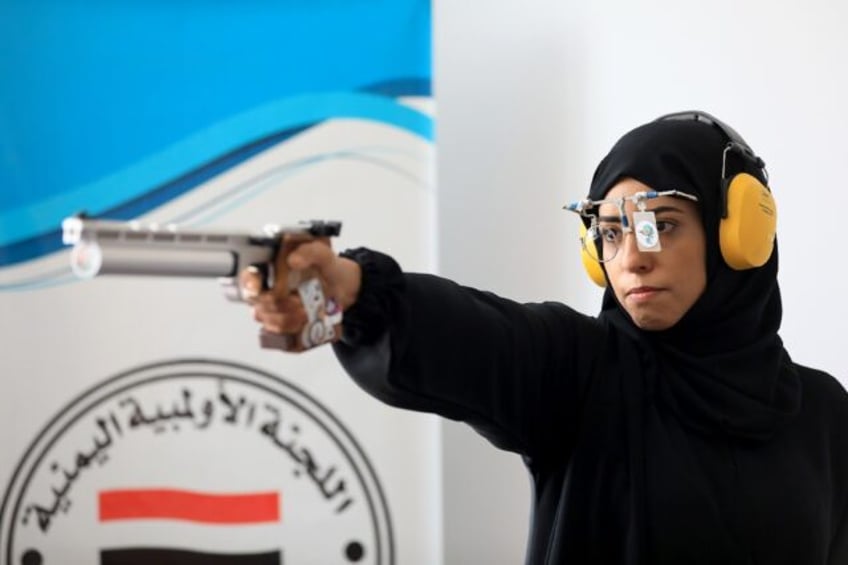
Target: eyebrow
{"x":657,"y":210}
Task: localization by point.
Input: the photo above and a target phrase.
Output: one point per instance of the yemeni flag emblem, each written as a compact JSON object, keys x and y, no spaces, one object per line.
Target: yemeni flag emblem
{"x":186,"y":462}
{"x":203,"y":508}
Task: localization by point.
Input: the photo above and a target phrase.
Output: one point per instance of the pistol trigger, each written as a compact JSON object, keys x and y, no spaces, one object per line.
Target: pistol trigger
{"x":266,"y":274}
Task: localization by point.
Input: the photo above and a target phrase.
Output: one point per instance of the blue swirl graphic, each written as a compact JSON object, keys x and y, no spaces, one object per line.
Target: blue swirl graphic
{"x":208,"y":211}
{"x":121,"y":108}
{"x":32,"y":231}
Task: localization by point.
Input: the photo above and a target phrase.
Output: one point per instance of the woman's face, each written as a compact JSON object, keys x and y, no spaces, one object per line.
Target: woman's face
{"x":657,"y":288}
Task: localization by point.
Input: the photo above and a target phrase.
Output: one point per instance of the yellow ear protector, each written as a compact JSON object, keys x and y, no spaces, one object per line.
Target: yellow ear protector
{"x":749,"y":213}
{"x":593,"y":268}
{"x":749,"y":224}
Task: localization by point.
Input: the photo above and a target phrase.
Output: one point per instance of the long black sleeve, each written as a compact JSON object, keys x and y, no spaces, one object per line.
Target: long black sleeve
{"x":619,"y":475}
{"x":516,"y":372}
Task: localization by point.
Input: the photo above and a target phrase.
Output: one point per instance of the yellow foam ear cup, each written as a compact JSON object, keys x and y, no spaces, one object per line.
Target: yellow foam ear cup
{"x":746,"y":235}
{"x":593,"y":268}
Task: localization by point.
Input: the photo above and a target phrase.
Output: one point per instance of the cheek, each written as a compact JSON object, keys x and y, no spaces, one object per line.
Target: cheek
{"x":618,"y":291}
{"x":699,"y":284}
{"x":612,"y":279}
{"x":694,"y":272}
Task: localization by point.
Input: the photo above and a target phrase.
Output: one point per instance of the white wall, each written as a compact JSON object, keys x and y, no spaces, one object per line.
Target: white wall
{"x":532,"y":94}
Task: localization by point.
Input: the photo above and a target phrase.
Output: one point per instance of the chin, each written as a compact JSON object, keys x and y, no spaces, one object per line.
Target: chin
{"x":652,"y":324}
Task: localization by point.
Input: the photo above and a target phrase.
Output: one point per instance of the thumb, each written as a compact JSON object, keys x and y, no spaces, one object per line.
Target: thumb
{"x":315,"y":254}
{"x":291,"y":266}
{"x":342,"y":278}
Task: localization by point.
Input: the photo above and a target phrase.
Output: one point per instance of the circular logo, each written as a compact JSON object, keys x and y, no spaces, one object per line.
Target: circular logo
{"x":646,"y":234}
{"x":195,"y":461}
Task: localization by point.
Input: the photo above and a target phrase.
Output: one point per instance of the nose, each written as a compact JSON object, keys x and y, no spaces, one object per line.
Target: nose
{"x":631,"y":258}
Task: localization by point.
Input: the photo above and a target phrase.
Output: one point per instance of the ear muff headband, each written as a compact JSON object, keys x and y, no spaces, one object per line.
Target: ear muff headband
{"x":749,"y":217}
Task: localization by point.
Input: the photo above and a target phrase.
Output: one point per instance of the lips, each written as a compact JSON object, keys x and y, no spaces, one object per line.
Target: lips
{"x":642,"y":292}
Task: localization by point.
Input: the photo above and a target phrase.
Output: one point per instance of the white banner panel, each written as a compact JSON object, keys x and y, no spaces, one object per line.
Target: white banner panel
{"x":141,"y":422}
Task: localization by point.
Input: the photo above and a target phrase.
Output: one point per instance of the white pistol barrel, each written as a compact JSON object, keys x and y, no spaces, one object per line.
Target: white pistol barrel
{"x":102,"y":247}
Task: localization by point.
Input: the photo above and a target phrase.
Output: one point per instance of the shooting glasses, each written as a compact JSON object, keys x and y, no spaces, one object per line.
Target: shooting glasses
{"x":601,"y":241}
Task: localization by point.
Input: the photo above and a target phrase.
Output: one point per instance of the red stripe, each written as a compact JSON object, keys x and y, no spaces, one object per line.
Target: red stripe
{"x":151,"y":504}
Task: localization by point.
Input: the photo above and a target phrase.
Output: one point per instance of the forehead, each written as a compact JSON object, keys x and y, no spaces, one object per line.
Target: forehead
{"x":628,"y":187}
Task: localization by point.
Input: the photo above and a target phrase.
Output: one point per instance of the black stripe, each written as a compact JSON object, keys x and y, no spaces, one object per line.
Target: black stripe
{"x":166,"y":556}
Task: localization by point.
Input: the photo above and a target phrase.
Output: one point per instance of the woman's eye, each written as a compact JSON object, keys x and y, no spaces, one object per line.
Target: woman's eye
{"x":610,"y":235}
{"x":664,"y":226}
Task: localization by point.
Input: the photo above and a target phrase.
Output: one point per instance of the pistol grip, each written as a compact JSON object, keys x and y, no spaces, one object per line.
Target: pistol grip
{"x":284,"y":342}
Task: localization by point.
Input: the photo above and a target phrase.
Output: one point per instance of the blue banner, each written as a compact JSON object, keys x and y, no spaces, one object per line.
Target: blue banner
{"x":116,"y":108}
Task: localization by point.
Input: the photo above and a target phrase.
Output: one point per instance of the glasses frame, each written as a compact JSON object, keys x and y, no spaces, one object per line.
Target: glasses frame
{"x":587,"y":208}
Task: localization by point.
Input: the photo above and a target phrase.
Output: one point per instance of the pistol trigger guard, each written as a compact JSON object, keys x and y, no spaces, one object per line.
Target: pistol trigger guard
{"x":231,"y":289}
{"x":265,"y":272}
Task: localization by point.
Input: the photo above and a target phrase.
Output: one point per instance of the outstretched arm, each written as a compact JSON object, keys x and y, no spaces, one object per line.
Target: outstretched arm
{"x":515,"y":372}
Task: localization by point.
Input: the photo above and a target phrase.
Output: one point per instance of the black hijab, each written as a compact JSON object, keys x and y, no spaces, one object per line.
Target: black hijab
{"x":723,"y":366}
{"x":721,"y":372}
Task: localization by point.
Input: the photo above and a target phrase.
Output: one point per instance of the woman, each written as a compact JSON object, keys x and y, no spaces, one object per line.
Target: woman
{"x":671,"y":428}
